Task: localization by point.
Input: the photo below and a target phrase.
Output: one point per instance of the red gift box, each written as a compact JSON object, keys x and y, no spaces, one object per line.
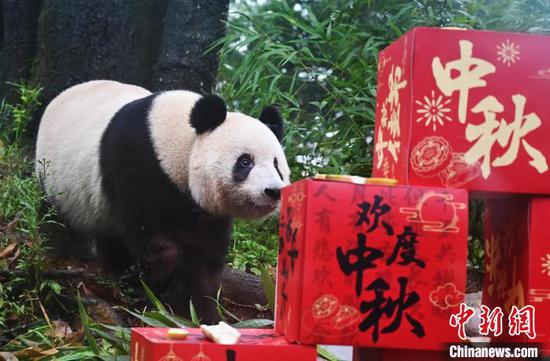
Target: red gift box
{"x":465,"y":109}
{"x":370,"y":265}
{"x":255,"y":344}
{"x":517,"y":262}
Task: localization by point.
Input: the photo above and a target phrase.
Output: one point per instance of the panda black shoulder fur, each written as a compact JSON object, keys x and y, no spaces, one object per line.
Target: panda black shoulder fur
{"x":157,"y":179}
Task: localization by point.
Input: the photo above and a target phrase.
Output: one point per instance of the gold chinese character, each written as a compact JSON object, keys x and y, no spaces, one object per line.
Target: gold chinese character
{"x":393,"y":124}
{"x":379,"y":148}
{"x":470,"y":69}
{"x":395,"y":84}
{"x":391,"y":108}
{"x":508,"y":135}
{"x":384,"y":116}
{"x":393,"y":147}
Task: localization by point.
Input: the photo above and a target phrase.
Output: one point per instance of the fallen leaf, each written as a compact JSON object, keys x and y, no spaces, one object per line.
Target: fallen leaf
{"x":7,"y":356}
{"x":8,"y":251}
{"x":15,"y":256}
{"x":10,"y":226}
{"x":50,"y":352}
{"x":61,"y":329}
{"x":29,"y":353}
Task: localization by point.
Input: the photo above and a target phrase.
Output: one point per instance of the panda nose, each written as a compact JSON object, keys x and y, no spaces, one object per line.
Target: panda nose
{"x":273,"y":193}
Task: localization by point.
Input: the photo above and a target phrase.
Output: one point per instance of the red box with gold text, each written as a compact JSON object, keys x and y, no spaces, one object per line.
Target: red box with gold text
{"x":517,"y":264}
{"x":465,"y":109}
{"x":370,"y":265}
{"x":255,"y":344}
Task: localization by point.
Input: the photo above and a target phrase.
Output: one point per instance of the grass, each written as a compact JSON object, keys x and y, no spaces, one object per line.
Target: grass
{"x":21,"y":216}
{"x":56,"y":341}
{"x":254,"y":245}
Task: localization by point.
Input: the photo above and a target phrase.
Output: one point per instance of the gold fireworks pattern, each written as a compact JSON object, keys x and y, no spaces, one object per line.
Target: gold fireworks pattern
{"x":433,"y":111}
{"x":546,"y":264}
{"x":508,"y":52}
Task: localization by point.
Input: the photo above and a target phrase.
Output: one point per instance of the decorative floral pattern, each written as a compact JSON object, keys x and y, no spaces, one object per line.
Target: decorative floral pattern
{"x":508,"y":53}
{"x":546,"y":264}
{"x":433,"y":111}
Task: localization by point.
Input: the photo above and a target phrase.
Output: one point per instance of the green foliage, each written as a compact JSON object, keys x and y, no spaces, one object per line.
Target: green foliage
{"x":106,"y":342}
{"x":21,"y":215}
{"x":254,"y":244}
{"x":269,"y":287}
{"x":476,"y":239}
{"x":14,"y":119}
{"x":325,"y":354}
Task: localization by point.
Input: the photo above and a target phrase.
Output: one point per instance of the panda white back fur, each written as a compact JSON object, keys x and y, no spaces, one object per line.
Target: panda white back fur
{"x":157,"y":179}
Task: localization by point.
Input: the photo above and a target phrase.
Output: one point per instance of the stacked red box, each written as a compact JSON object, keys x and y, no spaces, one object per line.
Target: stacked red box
{"x":370,"y":265}
{"x":465,"y":109}
{"x":255,"y":344}
{"x":517,"y":263}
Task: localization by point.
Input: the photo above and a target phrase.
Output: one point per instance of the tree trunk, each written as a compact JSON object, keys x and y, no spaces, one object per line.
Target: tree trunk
{"x":190,"y":27}
{"x":18,"y":38}
{"x":157,"y":44}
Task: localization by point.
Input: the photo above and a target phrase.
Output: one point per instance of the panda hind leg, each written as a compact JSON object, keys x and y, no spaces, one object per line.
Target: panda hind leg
{"x":114,"y":254}
{"x":198,"y":285}
{"x":177,"y":275}
{"x":159,"y":262}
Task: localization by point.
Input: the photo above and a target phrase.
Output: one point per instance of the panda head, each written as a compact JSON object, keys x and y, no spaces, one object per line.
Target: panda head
{"x":237,"y":166}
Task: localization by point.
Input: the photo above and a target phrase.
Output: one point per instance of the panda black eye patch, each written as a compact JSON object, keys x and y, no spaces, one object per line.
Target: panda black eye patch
{"x":242,"y":167}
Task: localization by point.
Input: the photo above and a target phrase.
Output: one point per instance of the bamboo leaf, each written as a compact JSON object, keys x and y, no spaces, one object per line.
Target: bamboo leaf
{"x":86,"y":324}
{"x":254,"y":323}
{"x":268,"y":287}
{"x":154,"y":299}
{"x":193,"y":312}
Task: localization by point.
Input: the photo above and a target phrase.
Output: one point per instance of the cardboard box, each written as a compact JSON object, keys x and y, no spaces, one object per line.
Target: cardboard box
{"x":517,"y":261}
{"x":370,"y":265}
{"x":465,"y":109}
{"x":255,"y":344}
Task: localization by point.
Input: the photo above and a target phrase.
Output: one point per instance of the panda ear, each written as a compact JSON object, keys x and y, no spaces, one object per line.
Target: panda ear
{"x":207,"y":113}
{"x":272,"y":118}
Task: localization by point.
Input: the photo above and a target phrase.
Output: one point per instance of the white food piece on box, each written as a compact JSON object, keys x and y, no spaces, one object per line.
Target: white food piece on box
{"x":221,"y":333}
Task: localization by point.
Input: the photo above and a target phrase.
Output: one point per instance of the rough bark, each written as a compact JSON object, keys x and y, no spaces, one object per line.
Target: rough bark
{"x":18,"y":41}
{"x":242,"y":288}
{"x":190,"y":27}
{"x":85,"y":40}
{"x":157,"y":44}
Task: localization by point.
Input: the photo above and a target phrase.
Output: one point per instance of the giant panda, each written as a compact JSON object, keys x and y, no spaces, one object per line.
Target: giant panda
{"x":156,"y":179}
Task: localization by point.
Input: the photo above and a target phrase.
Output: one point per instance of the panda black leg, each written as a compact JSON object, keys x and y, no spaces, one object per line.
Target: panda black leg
{"x":178,"y":274}
{"x":159,"y":263}
{"x":199,"y":285}
{"x":114,"y":253}
{"x":67,"y":244}
{"x":205,"y":290}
